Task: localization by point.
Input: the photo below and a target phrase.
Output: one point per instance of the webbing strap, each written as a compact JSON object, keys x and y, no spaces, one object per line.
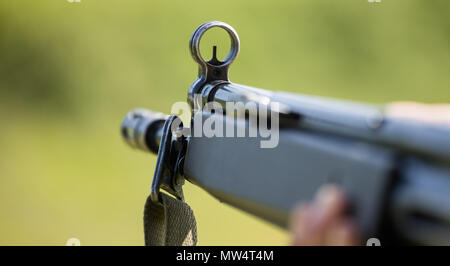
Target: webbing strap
{"x":170,"y":222}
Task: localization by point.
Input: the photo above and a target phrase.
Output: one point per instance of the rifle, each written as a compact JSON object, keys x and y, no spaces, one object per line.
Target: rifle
{"x":396,"y":172}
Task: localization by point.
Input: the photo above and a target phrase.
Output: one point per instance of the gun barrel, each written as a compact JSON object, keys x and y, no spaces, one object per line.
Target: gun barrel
{"x":142,"y":129}
{"x":344,"y":118}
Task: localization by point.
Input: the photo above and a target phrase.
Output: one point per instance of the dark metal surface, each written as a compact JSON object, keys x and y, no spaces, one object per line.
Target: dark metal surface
{"x":142,"y":129}
{"x":419,"y":208}
{"x":166,"y":165}
{"x":212,"y":70}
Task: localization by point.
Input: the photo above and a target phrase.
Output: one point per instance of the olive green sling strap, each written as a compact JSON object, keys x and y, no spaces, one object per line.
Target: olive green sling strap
{"x":169,"y":222}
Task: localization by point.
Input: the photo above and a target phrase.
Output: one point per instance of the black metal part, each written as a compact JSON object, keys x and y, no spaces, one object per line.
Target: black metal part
{"x":213,"y":69}
{"x":419,"y":209}
{"x":170,"y":155}
{"x":142,"y":129}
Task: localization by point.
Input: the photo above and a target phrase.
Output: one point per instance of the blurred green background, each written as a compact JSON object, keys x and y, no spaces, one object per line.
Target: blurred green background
{"x":70,"y":71}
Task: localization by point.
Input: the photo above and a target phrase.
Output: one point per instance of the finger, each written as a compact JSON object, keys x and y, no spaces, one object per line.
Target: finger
{"x":342,"y":233}
{"x":310,"y":222}
{"x":301,"y":227}
{"x":330,"y":205}
{"x":426,"y":113}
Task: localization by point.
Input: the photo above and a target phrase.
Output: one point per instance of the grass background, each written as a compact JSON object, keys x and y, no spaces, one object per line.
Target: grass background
{"x":70,"y":71}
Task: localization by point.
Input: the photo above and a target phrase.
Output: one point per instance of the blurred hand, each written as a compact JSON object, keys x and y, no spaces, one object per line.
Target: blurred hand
{"x":427,"y":113}
{"x":324,"y":221}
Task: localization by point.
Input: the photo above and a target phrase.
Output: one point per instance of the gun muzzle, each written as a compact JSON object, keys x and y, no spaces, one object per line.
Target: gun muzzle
{"x":142,"y":129}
